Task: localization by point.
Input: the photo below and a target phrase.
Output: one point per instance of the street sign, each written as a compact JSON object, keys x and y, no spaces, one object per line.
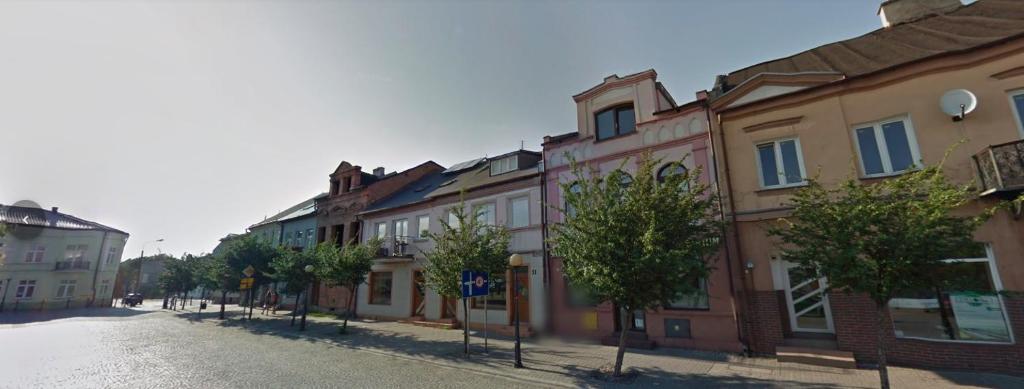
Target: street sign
{"x":249,"y":271}
{"x":246,"y":283}
{"x":474,"y":283}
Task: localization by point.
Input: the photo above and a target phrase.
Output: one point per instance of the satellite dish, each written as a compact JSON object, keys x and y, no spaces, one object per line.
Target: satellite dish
{"x":958,"y":103}
{"x":27,"y":204}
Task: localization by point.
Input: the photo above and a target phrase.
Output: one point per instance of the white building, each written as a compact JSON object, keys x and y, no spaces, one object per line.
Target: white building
{"x":55,"y":260}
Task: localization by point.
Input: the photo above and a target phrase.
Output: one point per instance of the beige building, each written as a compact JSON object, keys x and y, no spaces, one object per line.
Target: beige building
{"x":55,"y":260}
{"x":869,"y":107}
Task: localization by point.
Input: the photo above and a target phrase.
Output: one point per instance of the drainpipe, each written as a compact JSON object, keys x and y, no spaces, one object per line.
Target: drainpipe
{"x":96,"y":272}
{"x":735,"y":230}
{"x":546,"y":255}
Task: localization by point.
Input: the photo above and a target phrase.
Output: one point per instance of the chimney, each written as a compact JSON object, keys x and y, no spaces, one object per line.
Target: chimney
{"x":379,"y":172}
{"x":893,"y":12}
{"x":54,"y":209}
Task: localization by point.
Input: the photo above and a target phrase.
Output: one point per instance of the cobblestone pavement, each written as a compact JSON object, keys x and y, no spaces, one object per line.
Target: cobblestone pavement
{"x":147,"y":347}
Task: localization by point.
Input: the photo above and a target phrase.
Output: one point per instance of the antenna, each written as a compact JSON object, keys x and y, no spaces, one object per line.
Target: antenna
{"x":958,"y":103}
{"x":521,"y":145}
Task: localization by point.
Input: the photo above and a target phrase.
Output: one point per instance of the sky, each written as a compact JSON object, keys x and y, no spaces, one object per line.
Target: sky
{"x":187,"y":121}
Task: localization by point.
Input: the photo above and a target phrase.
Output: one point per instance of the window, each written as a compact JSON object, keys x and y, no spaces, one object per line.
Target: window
{"x":695,"y":300}
{"x":346,"y":184}
{"x":780,"y":163}
{"x":570,"y":211}
{"x":1017,"y":102}
{"x":673,"y":169}
{"x":625,"y":180}
{"x":485,"y":214}
{"x":423,"y":224}
{"x":615,"y":121}
{"x":310,"y":239}
{"x":453,"y":220}
{"x":112,"y":256}
{"x":104,"y":287}
{"x":334,"y":187}
{"x":519,"y":212}
{"x":402,"y":230}
{"x":504,"y":165}
{"x":967,"y":308}
{"x":300,"y":239}
{"x":495,"y":297}
{"x":26,"y":288}
{"x":288,"y":239}
{"x":382,"y":230}
{"x":380,"y":288}
{"x":579,"y":296}
{"x":35,"y":253}
{"x":886,"y":147}
{"x":75,"y":253}
{"x":66,"y":289}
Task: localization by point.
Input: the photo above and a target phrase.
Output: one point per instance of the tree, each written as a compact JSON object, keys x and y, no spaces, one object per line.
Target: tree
{"x":290,"y":269}
{"x":247,"y":251}
{"x":471,"y":244}
{"x":880,"y":239}
{"x":637,"y":242}
{"x":178,"y":277}
{"x":227,"y":278}
{"x":346,"y":268}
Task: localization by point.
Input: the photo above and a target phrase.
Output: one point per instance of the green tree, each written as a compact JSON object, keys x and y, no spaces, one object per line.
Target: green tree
{"x":634,"y":241}
{"x":879,"y":239}
{"x":178,"y":277}
{"x":244,"y":252}
{"x":290,"y":270}
{"x":470,"y":244}
{"x":346,"y":268}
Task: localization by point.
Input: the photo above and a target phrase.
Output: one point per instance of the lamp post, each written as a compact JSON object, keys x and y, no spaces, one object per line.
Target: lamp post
{"x":515,"y":261}
{"x":138,"y":276}
{"x":305,"y":304}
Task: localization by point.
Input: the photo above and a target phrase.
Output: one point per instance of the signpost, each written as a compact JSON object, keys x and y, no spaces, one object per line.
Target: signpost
{"x":249,"y":271}
{"x":473,"y":284}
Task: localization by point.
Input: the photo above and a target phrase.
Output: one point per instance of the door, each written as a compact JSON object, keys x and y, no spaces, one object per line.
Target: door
{"x":418,"y":293}
{"x":522,"y":275}
{"x":806,"y":301}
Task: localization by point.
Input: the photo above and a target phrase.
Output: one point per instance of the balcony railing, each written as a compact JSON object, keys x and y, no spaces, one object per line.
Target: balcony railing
{"x":1001,"y":167}
{"x":395,"y":247}
{"x":72,"y":265}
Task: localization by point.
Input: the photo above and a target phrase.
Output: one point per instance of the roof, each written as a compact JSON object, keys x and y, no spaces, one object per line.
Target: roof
{"x":39,"y":217}
{"x":412,"y":193}
{"x":979,"y":24}
{"x":306,"y":207}
{"x":480,"y":175}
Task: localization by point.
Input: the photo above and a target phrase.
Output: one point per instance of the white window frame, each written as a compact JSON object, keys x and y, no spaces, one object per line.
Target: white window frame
{"x":35,"y":254}
{"x":420,"y":225}
{"x":79,"y":249}
{"x":23,"y":287}
{"x":377,"y":230}
{"x":66,"y":289}
{"x":404,"y":235}
{"x":779,"y":167}
{"x":111,"y":255}
{"x":493,"y":209}
{"x":883,"y":148}
{"x":1018,"y":116}
{"x":512,"y":213}
{"x":504,"y":165}
{"x":997,"y":284}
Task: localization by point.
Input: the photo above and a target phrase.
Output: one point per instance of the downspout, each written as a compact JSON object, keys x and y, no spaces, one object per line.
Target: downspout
{"x":96,"y":272}
{"x":545,"y":258}
{"x":741,"y":306}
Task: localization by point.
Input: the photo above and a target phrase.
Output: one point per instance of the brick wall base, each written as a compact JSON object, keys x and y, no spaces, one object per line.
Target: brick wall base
{"x":855,"y":324}
{"x":762,"y":321}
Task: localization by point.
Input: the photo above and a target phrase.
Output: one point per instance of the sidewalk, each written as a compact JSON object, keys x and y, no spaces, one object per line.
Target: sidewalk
{"x":556,"y":363}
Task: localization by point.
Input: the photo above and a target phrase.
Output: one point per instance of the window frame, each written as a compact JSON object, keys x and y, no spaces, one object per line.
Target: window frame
{"x":511,"y":211}
{"x":1018,"y":116}
{"x":997,"y":284}
{"x":568,"y":211}
{"x":504,"y":165}
{"x":372,"y":282}
{"x":405,"y":226}
{"x":883,"y":149}
{"x":25,"y":286}
{"x":705,"y":287}
{"x":777,"y":150}
{"x":419,"y":226}
{"x":65,"y":289}
{"x":617,"y":131}
{"x":111,"y":255}
{"x":36,"y":253}
{"x":494,"y":211}
{"x":377,"y":230}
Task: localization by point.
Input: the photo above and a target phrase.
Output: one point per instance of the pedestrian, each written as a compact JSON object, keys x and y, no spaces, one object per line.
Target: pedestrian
{"x":273,"y":303}
{"x":266,"y":301}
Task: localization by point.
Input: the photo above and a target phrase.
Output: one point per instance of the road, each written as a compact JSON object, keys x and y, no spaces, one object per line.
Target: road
{"x":148,"y":348}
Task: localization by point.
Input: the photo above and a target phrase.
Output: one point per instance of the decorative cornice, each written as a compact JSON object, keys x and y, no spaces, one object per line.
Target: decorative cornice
{"x":1014,"y":72}
{"x":773,"y":124}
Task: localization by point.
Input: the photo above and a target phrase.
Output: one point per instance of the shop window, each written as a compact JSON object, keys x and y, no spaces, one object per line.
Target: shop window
{"x":497,"y":296}
{"x":380,"y":288}
{"x":965,"y":305}
{"x":695,"y":300}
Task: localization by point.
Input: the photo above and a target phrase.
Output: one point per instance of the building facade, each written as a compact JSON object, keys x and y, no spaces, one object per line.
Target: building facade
{"x":869,"y":107}
{"x":55,"y":260}
{"x":618,"y":121}
{"x":503,"y":191}
{"x":337,"y":213}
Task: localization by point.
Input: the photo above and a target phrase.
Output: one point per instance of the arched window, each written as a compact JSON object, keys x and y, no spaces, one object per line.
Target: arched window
{"x":625,"y":180}
{"x":673,"y":169}
{"x":570,"y":211}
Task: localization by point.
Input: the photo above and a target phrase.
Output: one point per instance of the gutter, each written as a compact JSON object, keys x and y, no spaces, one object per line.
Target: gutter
{"x":546,"y":254}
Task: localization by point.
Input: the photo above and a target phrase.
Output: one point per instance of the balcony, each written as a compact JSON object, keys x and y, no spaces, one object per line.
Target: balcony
{"x":72,"y":265}
{"x":395,"y":249}
{"x":1001,"y":168}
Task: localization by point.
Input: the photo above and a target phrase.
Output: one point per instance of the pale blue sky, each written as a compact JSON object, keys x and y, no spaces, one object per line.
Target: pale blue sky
{"x":190,"y":120}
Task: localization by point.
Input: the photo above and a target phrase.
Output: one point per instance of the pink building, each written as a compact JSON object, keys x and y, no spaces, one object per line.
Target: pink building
{"x":622,"y":118}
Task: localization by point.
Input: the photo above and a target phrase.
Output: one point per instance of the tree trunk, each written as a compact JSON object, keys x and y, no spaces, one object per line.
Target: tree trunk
{"x":183,"y":300}
{"x":623,"y":327}
{"x":295,"y":309}
{"x":223,"y":298}
{"x":883,"y":367}
{"x":348,"y":311}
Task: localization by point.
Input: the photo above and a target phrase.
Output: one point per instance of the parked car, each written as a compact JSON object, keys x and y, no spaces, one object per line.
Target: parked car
{"x":132,"y":299}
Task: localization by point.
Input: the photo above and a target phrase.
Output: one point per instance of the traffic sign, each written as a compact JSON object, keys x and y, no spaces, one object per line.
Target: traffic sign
{"x":474,"y":283}
{"x":246,"y":283}
{"x":249,"y":271}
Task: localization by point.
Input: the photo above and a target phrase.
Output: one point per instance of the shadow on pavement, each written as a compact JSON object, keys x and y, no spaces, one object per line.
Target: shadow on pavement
{"x":27,"y":317}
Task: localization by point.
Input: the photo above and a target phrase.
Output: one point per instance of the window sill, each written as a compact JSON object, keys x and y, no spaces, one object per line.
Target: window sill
{"x":957,"y":341}
{"x":614,"y":137}
{"x":780,"y":187}
{"x":885,"y":175}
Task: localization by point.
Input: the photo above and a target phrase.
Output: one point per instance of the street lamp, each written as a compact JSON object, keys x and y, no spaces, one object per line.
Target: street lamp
{"x":138,"y":276}
{"x":305,"y":304}
{"x":515,"y":261}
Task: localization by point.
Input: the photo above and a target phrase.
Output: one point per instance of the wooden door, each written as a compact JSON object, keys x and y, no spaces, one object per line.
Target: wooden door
{"x":418,"y":293}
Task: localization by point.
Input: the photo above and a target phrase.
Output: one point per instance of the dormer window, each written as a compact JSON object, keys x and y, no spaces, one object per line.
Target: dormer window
{"x":346,"y":184}
{"x":334,"y":187}
{"x":615,"y":121}
{"x":504,"y":165}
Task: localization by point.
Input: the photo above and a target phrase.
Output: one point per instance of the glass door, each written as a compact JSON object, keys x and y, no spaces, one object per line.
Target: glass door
{"x":807,"y":302}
